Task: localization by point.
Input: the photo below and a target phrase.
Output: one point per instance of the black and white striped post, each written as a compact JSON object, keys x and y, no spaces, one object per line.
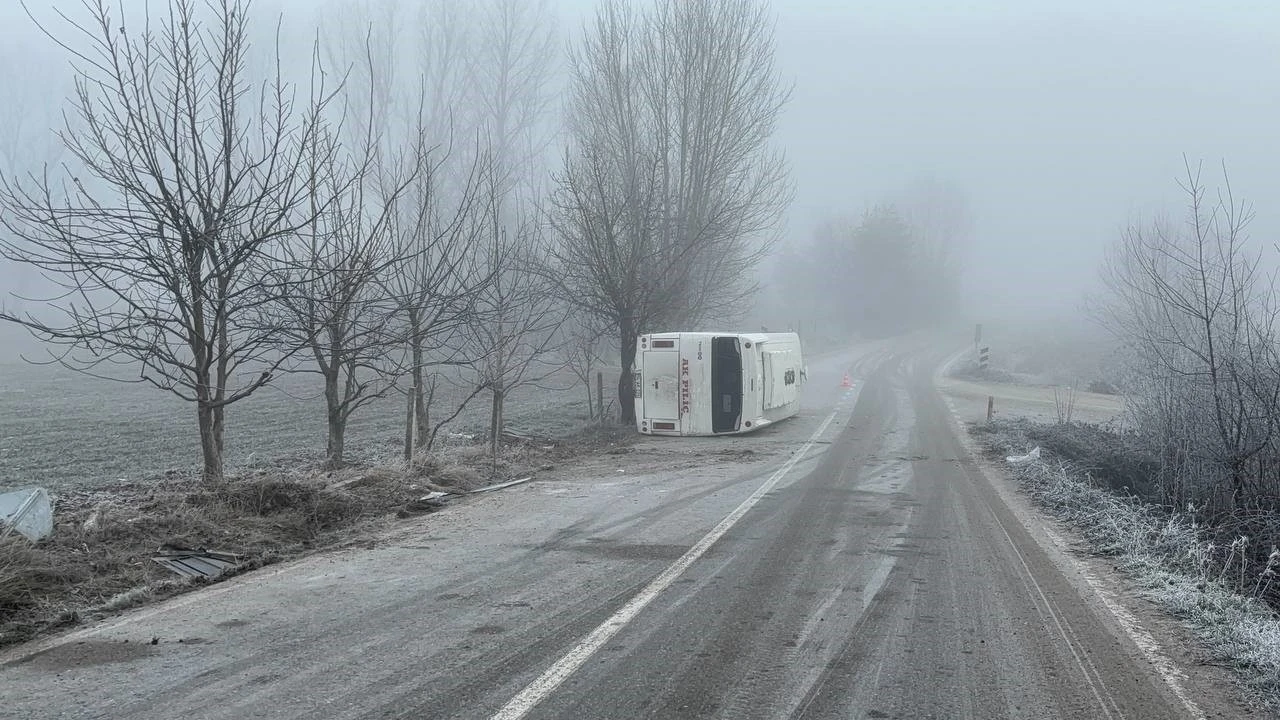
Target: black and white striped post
{"x":984,"y":357}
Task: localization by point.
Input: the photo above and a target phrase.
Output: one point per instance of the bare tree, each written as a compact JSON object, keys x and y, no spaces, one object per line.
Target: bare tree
{"x":515,"y":329}
{"x":942,"y":225}
{"x":352,"y":313}
{"x":940,"y":214}
{"x":441,"y":233}
{"x":445,"y":44}
{"x":193,"y":176}
{"x":342,"y":307}
{"x":670,"y":192}
{"x":511,"y":62}
{"x":894,"y":269}
{"x":437,"y":219}
{"x":580,"y":348}
{"x":489,"y":72}
{"x":1198,"y":318}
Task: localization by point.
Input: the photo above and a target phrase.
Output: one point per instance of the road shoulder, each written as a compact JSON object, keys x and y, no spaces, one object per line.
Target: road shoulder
{"x":1167,"y":645}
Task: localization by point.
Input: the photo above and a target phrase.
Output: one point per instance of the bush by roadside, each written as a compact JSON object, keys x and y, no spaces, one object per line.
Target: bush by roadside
{"x":1108,"y":456}
{"x":1174,"y":559}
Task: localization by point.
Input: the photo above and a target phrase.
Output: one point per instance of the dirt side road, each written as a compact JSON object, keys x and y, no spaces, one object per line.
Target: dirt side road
{"x":879,"y":576}
{"x":1035,"y":402}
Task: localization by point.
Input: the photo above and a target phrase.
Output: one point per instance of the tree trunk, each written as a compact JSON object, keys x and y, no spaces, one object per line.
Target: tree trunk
{"x":426,"y":431}
{"x":337,"y":423}
{"x":210,"y":441}
{"x":591,"y":406}
{"x":495,"y":422}
{"x":219,"y":434}
{"x":626,"y":391}
{"x":495,"y":426}
{"x":419,"y":389}
{"x":410,"y":449}
{"x":337,"y":441}
{"x":422,"y":411}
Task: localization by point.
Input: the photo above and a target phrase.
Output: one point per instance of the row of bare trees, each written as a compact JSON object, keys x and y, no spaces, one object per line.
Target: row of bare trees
{"x":391,"y":230}
{"x":186,"y":180}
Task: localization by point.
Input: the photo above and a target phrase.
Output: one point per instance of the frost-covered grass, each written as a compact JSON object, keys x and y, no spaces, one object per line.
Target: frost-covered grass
{"x":1169,"y":556}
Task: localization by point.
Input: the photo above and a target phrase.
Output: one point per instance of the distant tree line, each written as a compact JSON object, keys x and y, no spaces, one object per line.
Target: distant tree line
{"x":390,"y":221}
{"x":893,"y":270}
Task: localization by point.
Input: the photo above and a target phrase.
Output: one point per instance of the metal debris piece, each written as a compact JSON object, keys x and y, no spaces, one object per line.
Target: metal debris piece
{"x":27,"y":511}
{"x":196,"y":563}
{"x":1027,"y":459}
{"x":500,"y":486}
{"x":425,"y":504}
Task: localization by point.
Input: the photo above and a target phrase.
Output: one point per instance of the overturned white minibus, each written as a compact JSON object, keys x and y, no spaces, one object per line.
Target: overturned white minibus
{"x":689,"y":383}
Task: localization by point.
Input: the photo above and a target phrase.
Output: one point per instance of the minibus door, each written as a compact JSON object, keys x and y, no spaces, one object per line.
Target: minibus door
{"x":726,"y":384}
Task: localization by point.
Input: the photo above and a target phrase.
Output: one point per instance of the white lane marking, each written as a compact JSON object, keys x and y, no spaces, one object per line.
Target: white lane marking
{"x":545,"y":684}
{"x":1150,"y":647}
{"x":1145,"y":641}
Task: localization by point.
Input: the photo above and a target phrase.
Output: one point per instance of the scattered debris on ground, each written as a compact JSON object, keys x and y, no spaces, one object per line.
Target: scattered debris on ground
{"x":503,"y":485}
{"x":422,"y":506}
{"x":201,"y":563}
{"x":26,"y":512}
{"x":1026,"y":459}
{"x":115,"y":547}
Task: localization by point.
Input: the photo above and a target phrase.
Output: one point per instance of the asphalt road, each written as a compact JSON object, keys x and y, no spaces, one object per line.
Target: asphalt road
{"x":855,"y":562}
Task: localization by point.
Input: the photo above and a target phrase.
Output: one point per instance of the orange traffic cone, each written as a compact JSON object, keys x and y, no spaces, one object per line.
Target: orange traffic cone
{"x":846,"y":383}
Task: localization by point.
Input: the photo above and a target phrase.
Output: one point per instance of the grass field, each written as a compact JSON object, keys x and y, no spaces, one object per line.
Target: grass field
{"x":59,"y":428}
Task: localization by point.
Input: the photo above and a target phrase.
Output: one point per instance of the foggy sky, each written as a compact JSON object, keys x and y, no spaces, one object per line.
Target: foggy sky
{"x":1061,"y":121}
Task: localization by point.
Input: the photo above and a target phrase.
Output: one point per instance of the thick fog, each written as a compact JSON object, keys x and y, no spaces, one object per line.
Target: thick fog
{"x":1060,"y":121}
{"x":1057,"y":122}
